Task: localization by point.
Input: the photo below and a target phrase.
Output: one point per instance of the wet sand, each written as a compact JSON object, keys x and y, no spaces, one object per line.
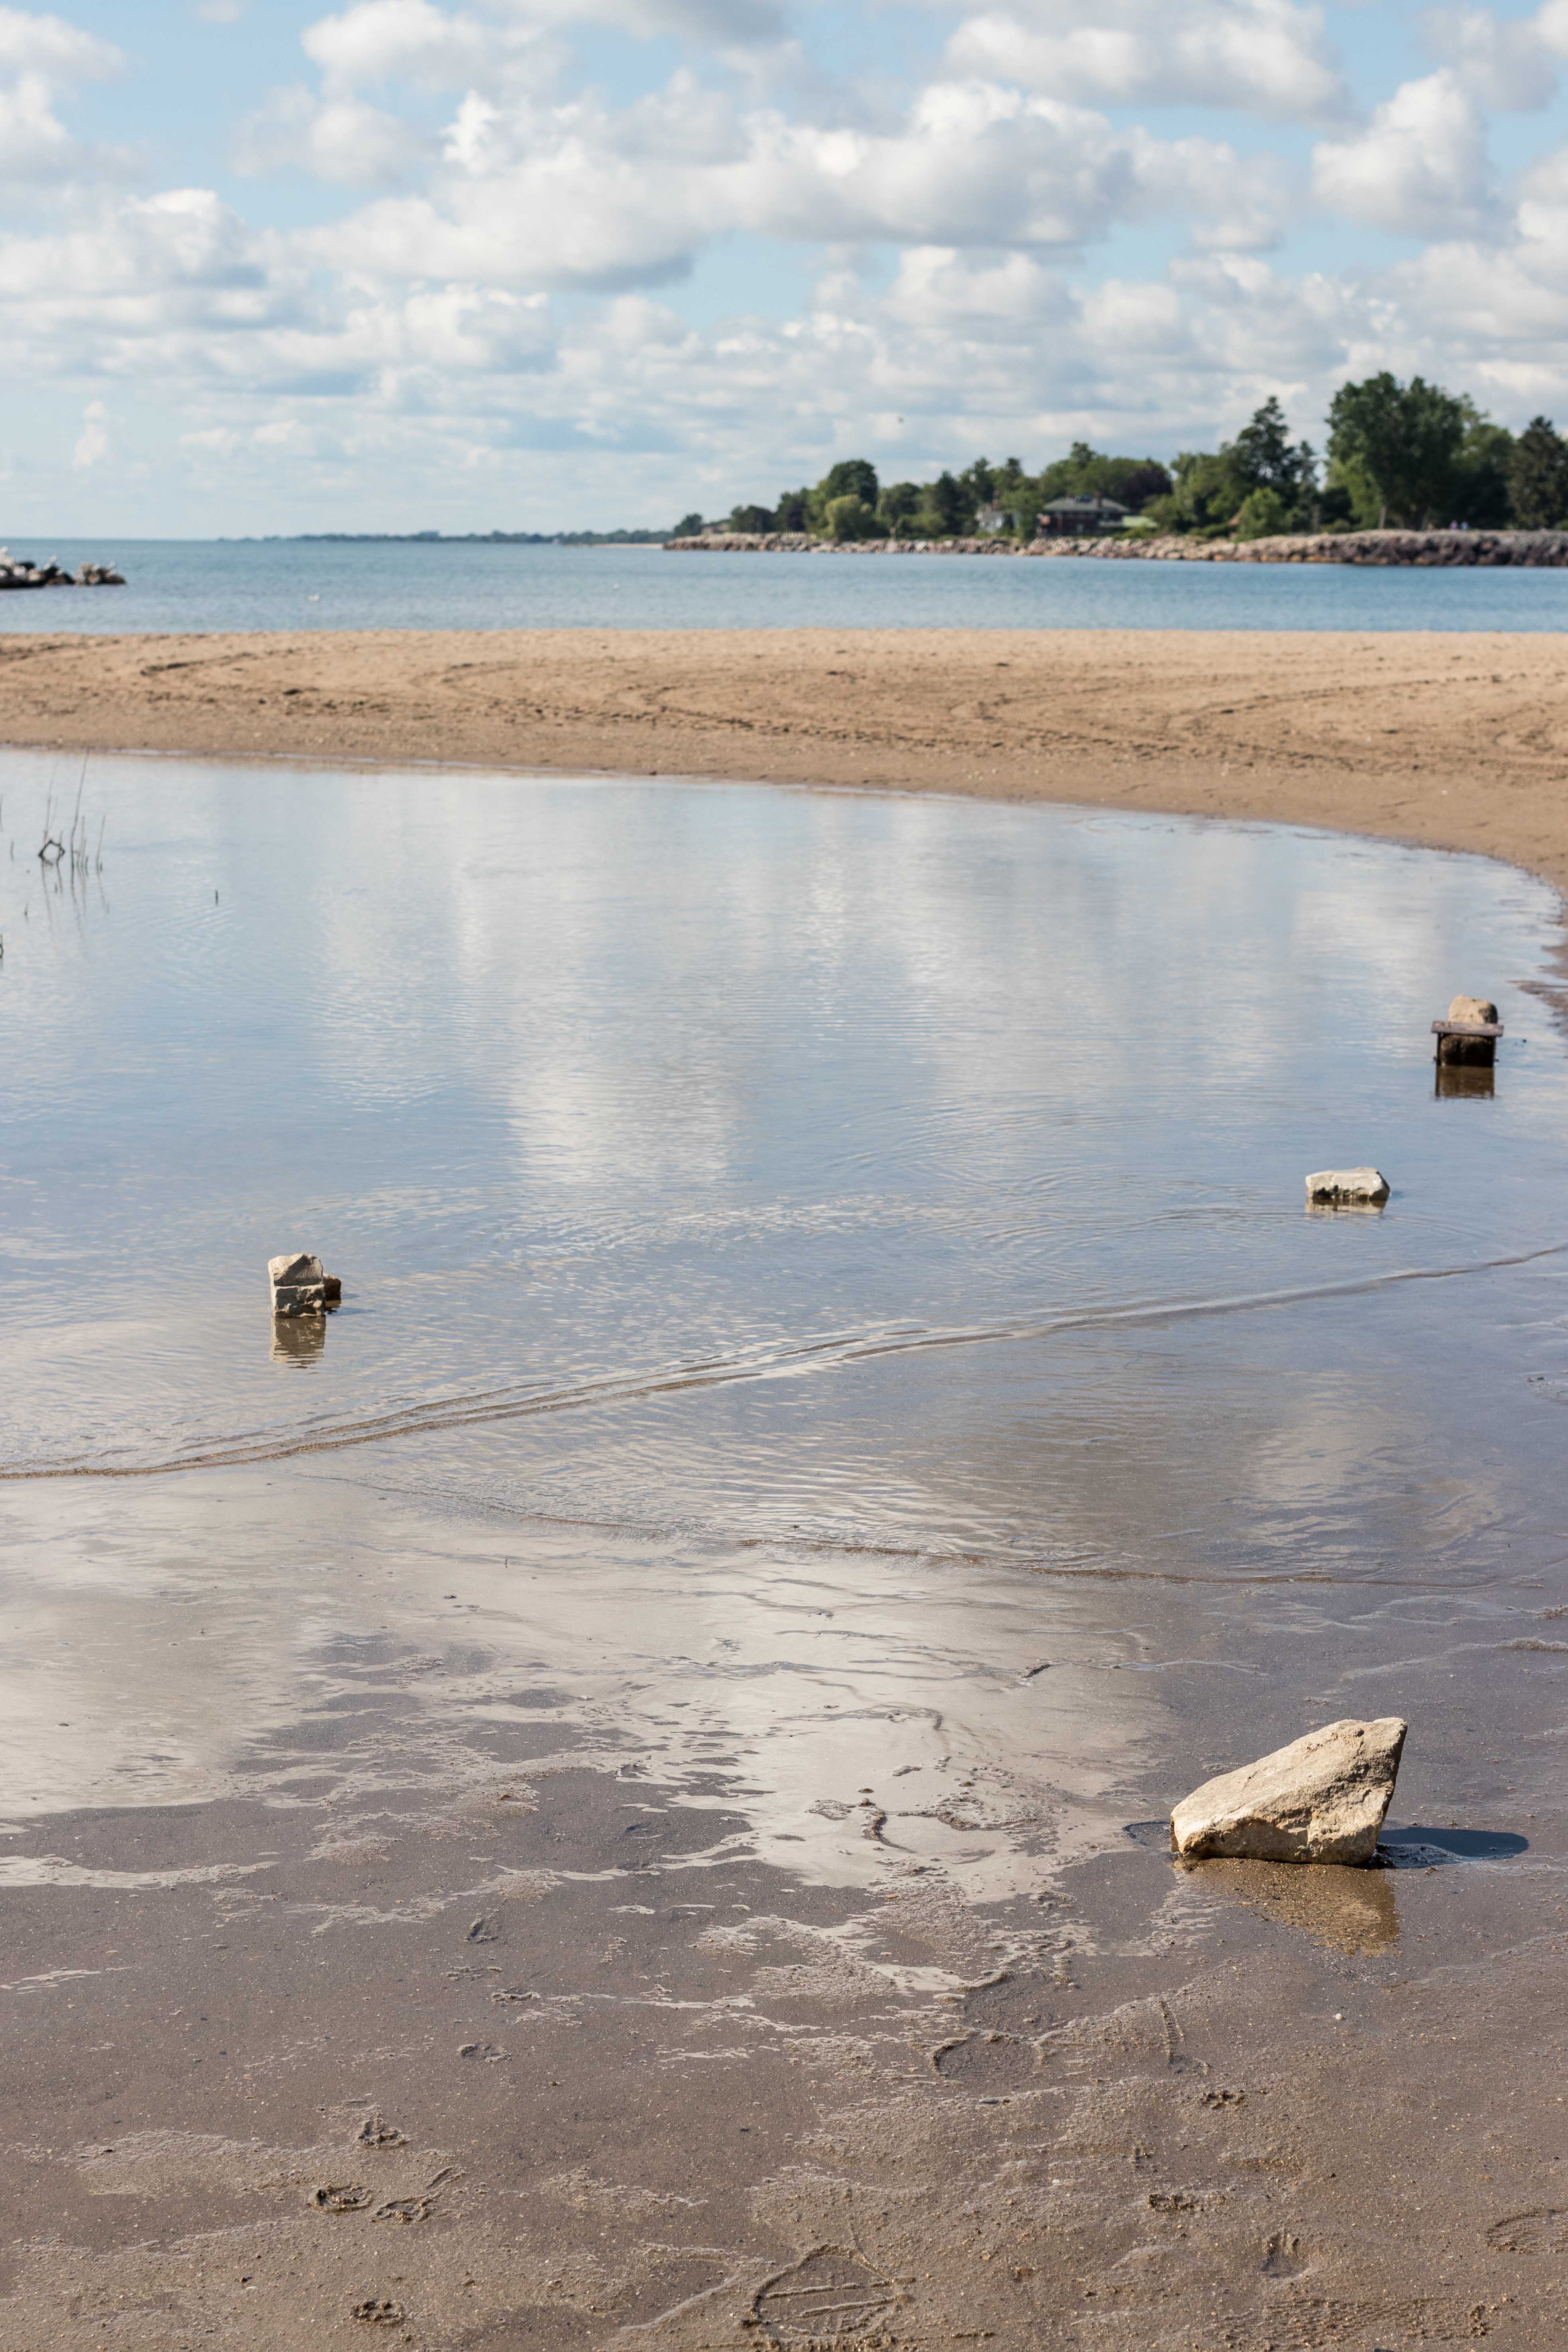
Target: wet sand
{"x":467,"y":2017}
{"x":1455,"y":741}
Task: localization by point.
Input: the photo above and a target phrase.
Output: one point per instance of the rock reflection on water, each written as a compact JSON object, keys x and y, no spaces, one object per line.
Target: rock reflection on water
{"x":1352,"y":1911}
{"x":1462,"y":1082}
{"x":299,"y":1339}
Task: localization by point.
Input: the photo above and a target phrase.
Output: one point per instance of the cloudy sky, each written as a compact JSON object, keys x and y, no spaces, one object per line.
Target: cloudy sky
{"x":537,"y":263}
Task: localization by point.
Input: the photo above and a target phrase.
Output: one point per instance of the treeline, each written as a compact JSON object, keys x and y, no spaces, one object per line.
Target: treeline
{"x":1406,"y":455}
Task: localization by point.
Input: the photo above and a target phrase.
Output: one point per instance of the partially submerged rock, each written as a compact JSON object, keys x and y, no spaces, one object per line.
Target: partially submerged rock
{"x":1322,"y":1798}
{"x":300,"y":1286}
{"x":1468,"y":1032}
{"x":1361,"y":1185}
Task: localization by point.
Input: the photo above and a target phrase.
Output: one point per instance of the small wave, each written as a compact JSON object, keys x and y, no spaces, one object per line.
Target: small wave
{"x":772,"y":1361}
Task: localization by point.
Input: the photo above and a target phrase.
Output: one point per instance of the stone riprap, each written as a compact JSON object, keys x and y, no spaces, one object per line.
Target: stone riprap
{"x":1359,"y":1185}
{"x":20,"y":572}
{"x":300,"y":1286}
{"x":1322,"y":1798}
{"x":1534,"y":549}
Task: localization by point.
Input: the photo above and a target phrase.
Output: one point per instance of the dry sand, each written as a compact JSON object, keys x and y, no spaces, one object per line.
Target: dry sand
{"x":1455,"y":741}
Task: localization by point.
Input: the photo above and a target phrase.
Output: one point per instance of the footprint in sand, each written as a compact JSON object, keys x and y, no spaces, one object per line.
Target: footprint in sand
{"x":1543,"y":2231}
{"x":345,"y":2197}
{"x":374,"y":2133}
{"x":829,"y":2297}
{"x":485,"y":2051}
{"x":380,"y":2313}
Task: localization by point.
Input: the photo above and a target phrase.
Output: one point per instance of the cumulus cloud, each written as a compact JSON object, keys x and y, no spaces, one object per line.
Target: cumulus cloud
{"x":342,"y":140}
{"x":485,"y":247}
{"x":40,"y":58}
{"x":1420,"y":167}
{"x":1263,"y":57}
{"x":1504,"y":63}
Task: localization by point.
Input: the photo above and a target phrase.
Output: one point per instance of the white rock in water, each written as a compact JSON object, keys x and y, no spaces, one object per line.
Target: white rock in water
{"x":1472,"y":1008}
{"x":1347,"y":1184}
{"x":295,"y":1266}
{"x":1322,"y":1798}
{"x":298,"y":1284}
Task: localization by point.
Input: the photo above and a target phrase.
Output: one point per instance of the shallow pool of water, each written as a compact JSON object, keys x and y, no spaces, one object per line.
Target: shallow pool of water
{"x":809,"y":1259}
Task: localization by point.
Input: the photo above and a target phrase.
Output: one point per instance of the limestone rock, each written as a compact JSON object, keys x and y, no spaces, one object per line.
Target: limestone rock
{"x":1322,"y":1798}
{"x":295,"y":1266}
{"x":1362,"y":1184}
{"x":1472,"y":1008}
{"x":298,"y":1284}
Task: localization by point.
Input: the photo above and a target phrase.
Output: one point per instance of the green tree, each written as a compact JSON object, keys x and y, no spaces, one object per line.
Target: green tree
{"x":946,"y":509}
{"x":898,"y":506}
{"x":1264,"y":457}
{"x":1263,"y":515}
{"x":689,"y":526}
{"x":1203,"y":497}
{"x":1538,"y":477}
{"x":755,"y":519}
{"x":1481,"y":493}
{"x":793,"y":511}
{"x":1402,"y":441}
{"x":851,"y":477}
{"x":850,"y":518}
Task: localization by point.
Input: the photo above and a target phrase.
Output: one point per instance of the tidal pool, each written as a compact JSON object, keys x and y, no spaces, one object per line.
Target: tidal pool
{"x":850,"y":1249}
{"x":640,"y":1746}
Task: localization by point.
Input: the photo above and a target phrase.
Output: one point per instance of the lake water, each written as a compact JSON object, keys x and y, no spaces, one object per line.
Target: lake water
{"x":807,"y":1258}
{"x":289,"y":585}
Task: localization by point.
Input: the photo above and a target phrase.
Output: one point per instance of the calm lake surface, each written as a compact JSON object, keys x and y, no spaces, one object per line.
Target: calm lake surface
{"x":808,"y":1260}
{"x":289,"y":584}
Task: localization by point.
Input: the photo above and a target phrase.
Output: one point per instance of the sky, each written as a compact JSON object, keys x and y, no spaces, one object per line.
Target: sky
{"x":541,"y":264}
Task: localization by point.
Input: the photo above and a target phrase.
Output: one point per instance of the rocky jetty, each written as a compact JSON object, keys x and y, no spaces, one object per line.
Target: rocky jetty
{"x":1322,"y":1798}
{"x":20,"y":572}
{"x":1535,"y":549}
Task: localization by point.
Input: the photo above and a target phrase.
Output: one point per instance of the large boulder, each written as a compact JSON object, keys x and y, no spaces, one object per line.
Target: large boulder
{"x":1322,"y":1798}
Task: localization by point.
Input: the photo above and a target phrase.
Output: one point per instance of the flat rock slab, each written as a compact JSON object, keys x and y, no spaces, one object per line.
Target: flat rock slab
{"x":1364,"y":1185}
{"x":1322,"y":1798}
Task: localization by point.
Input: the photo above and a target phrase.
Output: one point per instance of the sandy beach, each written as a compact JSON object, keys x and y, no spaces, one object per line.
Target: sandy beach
{"x":462,"y":2008}
{"x":1456,"y":741}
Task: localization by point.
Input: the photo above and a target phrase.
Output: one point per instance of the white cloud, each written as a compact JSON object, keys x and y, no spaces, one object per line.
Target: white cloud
{"x":1421,"y":167}
{"x":402,"y":40}
{"x":342,"y":140}
{"x":1264,"y":57}
{"x":474,"y":280}
{"x":40,"y":58}
{"x":1505,"y":63}
{"x":94,"y":445}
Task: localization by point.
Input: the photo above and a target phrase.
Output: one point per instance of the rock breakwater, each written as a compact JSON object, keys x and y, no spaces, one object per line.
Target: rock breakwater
{"x":1538,"y":549}
{"x":20,"y":572}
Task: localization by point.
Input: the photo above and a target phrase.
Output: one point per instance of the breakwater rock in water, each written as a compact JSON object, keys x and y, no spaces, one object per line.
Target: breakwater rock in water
{"x":19,"y":571}
{"x":1536,"y":550}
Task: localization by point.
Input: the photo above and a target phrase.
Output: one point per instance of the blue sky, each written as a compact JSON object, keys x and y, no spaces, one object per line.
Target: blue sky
{"x":532,"y":263}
